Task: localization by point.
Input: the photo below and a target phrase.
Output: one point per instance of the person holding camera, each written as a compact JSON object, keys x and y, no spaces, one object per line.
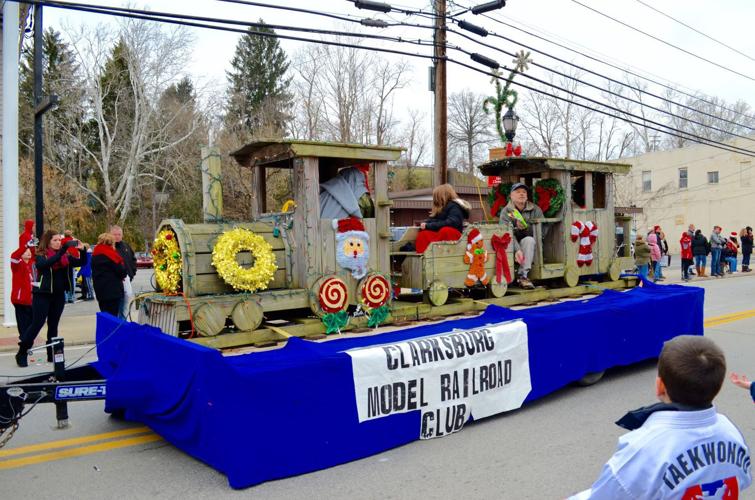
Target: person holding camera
{"x":48,"y":292}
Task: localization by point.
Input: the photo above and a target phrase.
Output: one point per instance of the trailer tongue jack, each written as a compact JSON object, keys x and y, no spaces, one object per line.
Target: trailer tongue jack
{"x":59,"y":387}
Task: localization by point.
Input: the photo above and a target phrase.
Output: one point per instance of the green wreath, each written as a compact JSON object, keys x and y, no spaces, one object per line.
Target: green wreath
{"x":498,"y":196}
{"x":549,"y":196}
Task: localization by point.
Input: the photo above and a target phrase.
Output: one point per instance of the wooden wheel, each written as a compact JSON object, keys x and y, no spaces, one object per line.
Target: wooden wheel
{"x":437,"y":294}
{"x":498,"y":290}
{"x":590,"y":379}
{"x":329,"y":294}
{"x":247,"y":315}
{"x":614,"y":270}
{"x":571,"y":276}
{"x":209,"y":320}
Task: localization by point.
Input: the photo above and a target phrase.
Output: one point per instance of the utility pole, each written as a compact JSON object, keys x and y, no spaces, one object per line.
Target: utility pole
{"x":39,"y":201}
{"x":440,"y":174}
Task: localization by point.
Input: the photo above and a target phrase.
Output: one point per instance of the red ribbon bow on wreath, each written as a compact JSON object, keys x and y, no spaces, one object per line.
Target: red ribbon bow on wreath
{"x":498,"y":204}
{"x":500,"y":244}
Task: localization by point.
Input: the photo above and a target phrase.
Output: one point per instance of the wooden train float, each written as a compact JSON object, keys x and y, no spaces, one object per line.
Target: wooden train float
{"x":222,"y":276}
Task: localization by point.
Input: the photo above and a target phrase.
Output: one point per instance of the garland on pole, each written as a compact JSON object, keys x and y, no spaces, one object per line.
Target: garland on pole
{"x":549,"y":196}
{"x":498,"y":196}
{"x":237,"y":240}
{"x":167,"y":261}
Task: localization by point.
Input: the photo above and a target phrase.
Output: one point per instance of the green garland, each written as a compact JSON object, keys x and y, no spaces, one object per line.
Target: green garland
{"x":554,"y":196}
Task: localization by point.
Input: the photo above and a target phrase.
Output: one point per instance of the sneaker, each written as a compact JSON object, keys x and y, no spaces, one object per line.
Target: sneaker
{"x":524,"y":283}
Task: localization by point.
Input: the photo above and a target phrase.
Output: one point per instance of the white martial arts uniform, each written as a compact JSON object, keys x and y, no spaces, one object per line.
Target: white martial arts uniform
{"x":682,"y":455}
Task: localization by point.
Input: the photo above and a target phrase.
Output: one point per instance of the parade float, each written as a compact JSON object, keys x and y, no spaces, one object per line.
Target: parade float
{"x":345,"y":378}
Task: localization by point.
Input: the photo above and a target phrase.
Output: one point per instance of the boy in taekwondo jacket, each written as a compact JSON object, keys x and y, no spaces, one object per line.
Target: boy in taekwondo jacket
{"x":681,"y":448}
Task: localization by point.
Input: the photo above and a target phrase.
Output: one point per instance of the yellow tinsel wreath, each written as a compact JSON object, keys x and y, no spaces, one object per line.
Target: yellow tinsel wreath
{"x":238,"y":240}
{"x":167,"y":261}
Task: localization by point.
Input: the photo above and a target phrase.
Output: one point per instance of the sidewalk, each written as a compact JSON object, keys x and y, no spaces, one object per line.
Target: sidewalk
{"x":79,"y":321}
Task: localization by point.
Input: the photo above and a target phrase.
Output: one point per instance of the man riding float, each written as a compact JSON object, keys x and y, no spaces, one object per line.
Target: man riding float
{"x":521,"y":213}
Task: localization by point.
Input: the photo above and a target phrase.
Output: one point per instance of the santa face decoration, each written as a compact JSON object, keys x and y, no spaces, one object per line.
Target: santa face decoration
{"x":352,"y":246}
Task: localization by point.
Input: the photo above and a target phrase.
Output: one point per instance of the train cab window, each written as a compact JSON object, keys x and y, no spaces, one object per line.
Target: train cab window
{"x":341,"y":191}
{"x":598,"y":190}
{"x":578,"y":189}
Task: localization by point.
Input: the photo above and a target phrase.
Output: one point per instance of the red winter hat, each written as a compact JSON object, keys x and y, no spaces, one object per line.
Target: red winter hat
{"x":473,"y":237}
{"x":734,"y":234}
{"x":349,"y":224}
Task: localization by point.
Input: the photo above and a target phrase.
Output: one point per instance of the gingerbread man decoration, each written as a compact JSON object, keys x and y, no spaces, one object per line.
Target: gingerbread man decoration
{"x":476,"y":256}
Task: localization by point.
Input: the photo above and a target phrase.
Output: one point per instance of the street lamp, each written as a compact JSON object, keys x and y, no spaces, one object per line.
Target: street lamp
{"x":510,"y":121}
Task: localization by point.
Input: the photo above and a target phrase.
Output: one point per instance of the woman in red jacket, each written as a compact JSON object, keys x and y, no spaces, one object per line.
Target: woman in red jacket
{"x":21,"y":267}
{"x":687,"y":258}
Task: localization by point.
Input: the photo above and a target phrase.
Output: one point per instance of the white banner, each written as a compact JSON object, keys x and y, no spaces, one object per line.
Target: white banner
{"x":448,"y":377}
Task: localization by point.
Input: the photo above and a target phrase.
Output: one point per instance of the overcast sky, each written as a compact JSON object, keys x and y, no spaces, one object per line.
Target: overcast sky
{"x":730,"y":21}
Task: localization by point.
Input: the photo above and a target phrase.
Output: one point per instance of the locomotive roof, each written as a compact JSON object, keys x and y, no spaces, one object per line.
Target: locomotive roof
{"x":278,"y":152}
{"x":522,"y":165}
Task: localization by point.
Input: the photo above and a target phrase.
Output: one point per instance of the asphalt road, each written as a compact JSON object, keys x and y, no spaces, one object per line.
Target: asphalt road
{"x":548,"y":449}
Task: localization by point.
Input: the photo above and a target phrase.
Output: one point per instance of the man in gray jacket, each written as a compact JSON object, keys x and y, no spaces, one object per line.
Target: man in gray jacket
{"x":520,"y":213}
{"x":717,"y":244}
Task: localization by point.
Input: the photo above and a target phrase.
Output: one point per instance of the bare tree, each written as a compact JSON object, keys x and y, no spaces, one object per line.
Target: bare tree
{"x":469,"y":127}
{"x":141,"y":59}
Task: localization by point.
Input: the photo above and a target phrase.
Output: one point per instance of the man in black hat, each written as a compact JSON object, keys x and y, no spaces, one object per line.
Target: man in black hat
{"x":521,"y":212}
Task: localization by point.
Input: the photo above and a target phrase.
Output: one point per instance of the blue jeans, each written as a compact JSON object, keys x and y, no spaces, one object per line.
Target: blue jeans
{"x":715,"y":261}
{"x":701,"y":261}
{"x":732,"y":264}
{"x":657,"y":270}
{"x":746,"y":259}
{"x":643,"y":271}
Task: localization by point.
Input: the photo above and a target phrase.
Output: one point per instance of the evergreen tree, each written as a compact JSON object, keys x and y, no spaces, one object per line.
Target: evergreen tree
{"x":258,"y":95}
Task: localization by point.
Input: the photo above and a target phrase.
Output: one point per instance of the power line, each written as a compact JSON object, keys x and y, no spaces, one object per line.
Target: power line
{"x":695,"y":30}
{"x":145,"y":15}
{"x":626,"y":85}
{"x":670,"y":130}
{"x":663,"y":41}
{"x":597,"y":87}
{"x":614,"y":66}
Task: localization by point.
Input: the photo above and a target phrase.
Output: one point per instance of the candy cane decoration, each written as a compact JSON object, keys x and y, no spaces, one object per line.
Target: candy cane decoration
{"x":333,"y":295}
{"x":375,"y":291}
{"x":587,"y":233}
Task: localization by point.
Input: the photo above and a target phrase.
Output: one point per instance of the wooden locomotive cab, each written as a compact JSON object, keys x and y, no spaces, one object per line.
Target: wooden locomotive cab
{"x":589,"y":196}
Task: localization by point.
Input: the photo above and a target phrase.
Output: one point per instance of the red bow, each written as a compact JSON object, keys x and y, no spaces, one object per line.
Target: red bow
{"x":500,"y":244}
{"x":544,"y":196}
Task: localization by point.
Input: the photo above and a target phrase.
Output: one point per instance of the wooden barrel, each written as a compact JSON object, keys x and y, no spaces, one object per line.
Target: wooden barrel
{"x":196,"y":242}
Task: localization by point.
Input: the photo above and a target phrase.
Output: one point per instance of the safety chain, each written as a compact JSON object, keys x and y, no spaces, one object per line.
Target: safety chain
{"x":7,"y":434}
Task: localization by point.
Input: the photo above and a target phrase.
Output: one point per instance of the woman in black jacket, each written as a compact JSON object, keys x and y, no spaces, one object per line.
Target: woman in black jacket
{"x":446,"y":222}
{"x":700,"y":251}
{"x":48,"y":293}
{"x":745,"y":237}
{"x":108,"y":273}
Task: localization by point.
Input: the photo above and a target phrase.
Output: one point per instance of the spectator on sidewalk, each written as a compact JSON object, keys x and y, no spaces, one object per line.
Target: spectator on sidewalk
{"x":744,"y":383}
{"x":665,"y":455}
{"x":129,"y":260}
{"x":745,"y":237}
{"x":691,"y":232}
{"x":641,"y":256}
{"x":20,"y":295}
{"x":685,"y":243}
{"x":108,"y":273}
{"x":48,"y":292}
{"x":730,"y":252}
{"x":655,"y":256}
{"x":717,"y":244}
{"x":85,"y":273}
{"x":73,"y":252}
{"x":700,"y":250}
{"x":663,"y":247}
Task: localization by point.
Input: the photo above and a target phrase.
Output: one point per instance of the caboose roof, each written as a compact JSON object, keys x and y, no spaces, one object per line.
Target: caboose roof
{"x":521,"y":165}
{"x":277,"y":152}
